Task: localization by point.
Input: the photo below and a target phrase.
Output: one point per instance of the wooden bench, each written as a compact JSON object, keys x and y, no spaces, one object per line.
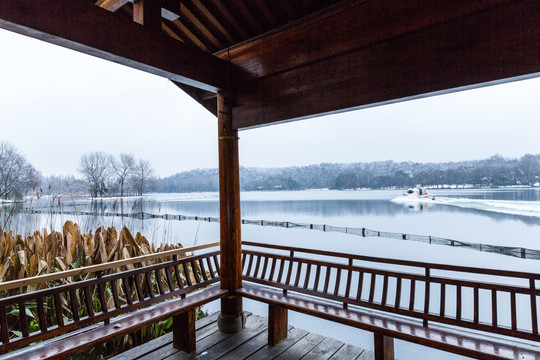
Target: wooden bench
{"x":78,"y":322}
{"x":418,"y":302}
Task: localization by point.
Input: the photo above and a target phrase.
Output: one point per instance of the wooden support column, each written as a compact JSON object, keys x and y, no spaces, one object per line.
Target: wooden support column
{"x":232,"y":318}
{"x":384,"y":347}
{"x":277,"y":324}
{"x":184,"y":331}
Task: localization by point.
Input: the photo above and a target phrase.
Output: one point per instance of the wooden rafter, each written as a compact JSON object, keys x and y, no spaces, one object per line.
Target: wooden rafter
{"x":192,"y":38}
{"x":248,"y":16}
{"x":87,"y":28}
{"x":147,"y":13}
{"x":212,"y":20}
{"x":111,"y":5}
{"x":266,"y":12}
{"x":230,"y":18}
{"x":167,"y":29}
{"x":187,"y":14}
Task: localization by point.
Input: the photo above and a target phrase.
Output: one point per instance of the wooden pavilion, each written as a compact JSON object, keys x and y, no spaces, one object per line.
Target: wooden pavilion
{"x":262,"y":62}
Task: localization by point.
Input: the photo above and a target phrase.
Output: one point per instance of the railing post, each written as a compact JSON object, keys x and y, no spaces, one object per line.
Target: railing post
{"x":232,"y":318}
{"x":184,"y":331}
{"x":384,"y":347}
{"x":277,"y":324}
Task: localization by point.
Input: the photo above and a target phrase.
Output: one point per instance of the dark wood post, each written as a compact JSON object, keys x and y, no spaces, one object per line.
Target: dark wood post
{"x":184,"y":331}
{"x":384,"y":347}
{"x":232,"y":317}
{"x":277,"y":324}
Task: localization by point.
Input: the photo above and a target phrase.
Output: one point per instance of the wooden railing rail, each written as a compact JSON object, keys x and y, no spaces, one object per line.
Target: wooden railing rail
{"x":41,"y":279}
{"x":69,"y":307}
{"x":430,"y":292}
{"x":417,"y":264}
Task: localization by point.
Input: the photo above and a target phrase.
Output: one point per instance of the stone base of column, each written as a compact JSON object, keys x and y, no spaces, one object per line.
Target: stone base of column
{"x":232,"y":318}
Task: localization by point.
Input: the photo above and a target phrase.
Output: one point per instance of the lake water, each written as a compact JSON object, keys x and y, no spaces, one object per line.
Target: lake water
{"x":509,"y":217}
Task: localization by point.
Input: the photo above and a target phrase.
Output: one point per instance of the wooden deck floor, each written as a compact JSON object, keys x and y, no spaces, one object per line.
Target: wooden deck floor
{"x":249,"y":344}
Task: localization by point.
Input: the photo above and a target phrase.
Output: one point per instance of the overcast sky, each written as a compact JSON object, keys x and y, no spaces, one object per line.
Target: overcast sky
{"x":56,"y":104}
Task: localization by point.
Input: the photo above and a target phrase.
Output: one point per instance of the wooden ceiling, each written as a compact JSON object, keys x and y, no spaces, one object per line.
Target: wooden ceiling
{"x":285,"y":60}
{"x":214,"y":25}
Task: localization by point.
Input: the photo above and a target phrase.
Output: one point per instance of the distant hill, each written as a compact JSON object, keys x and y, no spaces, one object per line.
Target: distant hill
{"x":494,"y":171}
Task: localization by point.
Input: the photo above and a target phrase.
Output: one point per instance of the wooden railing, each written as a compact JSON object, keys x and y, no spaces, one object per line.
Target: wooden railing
{"x":495,"y":301}
{"x":41,"y":279}
{"x":70,"y":307}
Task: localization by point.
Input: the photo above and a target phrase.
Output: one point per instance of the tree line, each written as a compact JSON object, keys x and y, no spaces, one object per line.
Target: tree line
{"x":102,"y":174}
{"x":494,"y":171}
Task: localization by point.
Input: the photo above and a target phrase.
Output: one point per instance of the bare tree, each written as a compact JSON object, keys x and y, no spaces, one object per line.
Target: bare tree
{"x":16,"y":174}
{"x":143,"y":176}
{"x":123,"y":167}
{"x":96,"y":168}
{"x":529,"y":167}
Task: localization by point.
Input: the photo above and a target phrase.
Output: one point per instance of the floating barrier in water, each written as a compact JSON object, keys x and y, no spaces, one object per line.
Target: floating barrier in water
{"x":519,"y":252}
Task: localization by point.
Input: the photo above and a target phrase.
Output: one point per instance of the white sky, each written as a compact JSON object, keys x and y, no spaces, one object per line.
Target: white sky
{"x":56,"y":104}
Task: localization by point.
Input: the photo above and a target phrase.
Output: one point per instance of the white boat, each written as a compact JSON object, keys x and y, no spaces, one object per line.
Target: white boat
{"x":418,"y":193}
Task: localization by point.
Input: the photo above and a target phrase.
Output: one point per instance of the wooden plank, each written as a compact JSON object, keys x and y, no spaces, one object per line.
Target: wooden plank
{"x":270,"y":352}
{"x":202,"y":346}
{"x":347,"y":352}
{"x":248,"y":348}
{"x":254,"y":327}
{"x":155,"y":349}
{"x":84,"y":27}
{"x":325,"y":350}
{"x":385,"y":57}
{"x":302,"y":347}
{"x":366,"y":355}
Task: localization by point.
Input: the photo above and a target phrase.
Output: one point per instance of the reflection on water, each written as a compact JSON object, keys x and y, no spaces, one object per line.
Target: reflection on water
{"x":467,"y":215}
{"x":485,"y":216}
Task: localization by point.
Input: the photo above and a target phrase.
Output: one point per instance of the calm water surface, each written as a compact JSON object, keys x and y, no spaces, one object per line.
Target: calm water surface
{"x":508,"y":217}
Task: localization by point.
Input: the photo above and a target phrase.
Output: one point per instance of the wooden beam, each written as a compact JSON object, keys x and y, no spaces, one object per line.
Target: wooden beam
{"x":111,"y":5}
{"x":147,"y":13}
{"x":82,"y":26}
{"x":202,"y":97}
{"x":383,"y":52}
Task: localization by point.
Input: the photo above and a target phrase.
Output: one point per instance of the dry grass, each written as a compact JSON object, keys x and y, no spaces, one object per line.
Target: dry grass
{"x":43,"y":252}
